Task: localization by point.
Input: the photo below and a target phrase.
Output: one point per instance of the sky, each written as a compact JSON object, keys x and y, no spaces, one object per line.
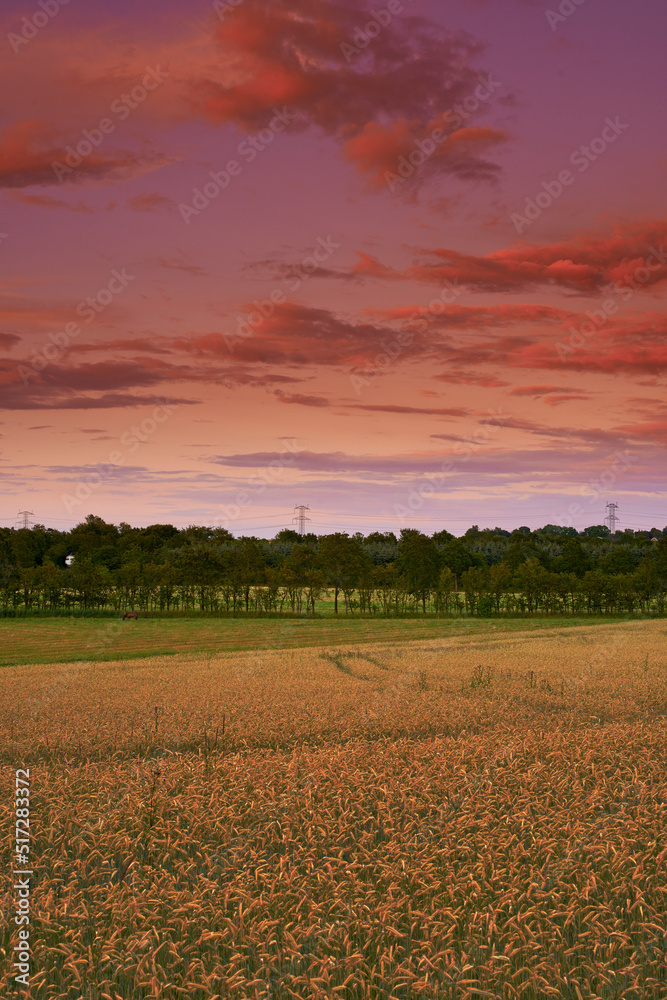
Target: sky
{"x":401,"y":263}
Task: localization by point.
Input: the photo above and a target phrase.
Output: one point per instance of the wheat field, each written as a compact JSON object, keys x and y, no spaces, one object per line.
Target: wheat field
{"x":475,"y":816}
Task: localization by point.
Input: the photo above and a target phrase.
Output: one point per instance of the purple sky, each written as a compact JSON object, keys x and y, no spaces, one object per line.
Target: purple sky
{"x":424,"y":290}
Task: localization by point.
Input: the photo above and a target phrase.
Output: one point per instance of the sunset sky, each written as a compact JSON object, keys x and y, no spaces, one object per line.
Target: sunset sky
{"x":425,"y":289}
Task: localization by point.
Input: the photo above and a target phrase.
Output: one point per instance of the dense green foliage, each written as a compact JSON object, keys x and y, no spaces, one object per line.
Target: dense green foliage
{"x":553,"y":570}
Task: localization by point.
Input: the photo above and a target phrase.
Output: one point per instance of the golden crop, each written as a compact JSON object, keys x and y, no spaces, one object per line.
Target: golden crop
{"x":445,"y":819}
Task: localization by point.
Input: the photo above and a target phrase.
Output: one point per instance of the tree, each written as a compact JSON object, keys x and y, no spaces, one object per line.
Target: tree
{"x":574,"y":559}
{"x":474,"y":582}
{"x":296,"y":573}
{"x":247,"y":565}
{"x":382,"y":547}
{"x":518,"y":552}
{"x":532,"y":581}
{"x":459,"y":558}
{"x":92,"y":534}
{"x":314,"y":582}
{"x":596,"y":531}
{"x":661,"y":559}
{"x":341,"y":559}
{"x":153,"y":539}
{"x":27,"y":548}
{"x":646,"y":581}
{"x":419,"y":563}
{"x":288,"y":535}
{"x":619,"y":560}
{"x":107,"y":555}
{"x":90,"y":583}
{"x":499,"y":582}
{"x":443,"y":590}
{"x":381,"y":538}
{"x":593,"y":586}
{"x":556,"y":529}
{"x":384,"y":581}
{"x":51,"y":581}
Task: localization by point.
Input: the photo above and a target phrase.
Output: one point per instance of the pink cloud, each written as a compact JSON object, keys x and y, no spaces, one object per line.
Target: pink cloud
{"x":149,"y":202}
{"x":291,"y":53}
{"x":46,"y":201}
{"x":28,"y":153}
{"x":587,"y":264}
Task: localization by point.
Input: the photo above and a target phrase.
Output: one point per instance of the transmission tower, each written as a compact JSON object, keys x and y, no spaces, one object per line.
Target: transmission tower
{"x":26,"y":515}
{"x":301,"y":518}
{"x":610,"y":519}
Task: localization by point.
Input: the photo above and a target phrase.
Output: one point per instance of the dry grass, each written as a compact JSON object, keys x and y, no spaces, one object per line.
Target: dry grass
{"x":475,"y":817}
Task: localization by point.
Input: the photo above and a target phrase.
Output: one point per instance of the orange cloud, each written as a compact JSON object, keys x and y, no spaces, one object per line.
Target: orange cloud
{"x":451,"y":411}
{"x":586,"y":264}
{"x":479,"y":317}
{"x":300,"y":400}
{"x":539,"y":390}
{"x":406,"y":151}
{"x":565,"y":398}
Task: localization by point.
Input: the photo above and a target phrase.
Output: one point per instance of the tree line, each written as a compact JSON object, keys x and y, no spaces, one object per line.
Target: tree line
{"x":161,"y":568}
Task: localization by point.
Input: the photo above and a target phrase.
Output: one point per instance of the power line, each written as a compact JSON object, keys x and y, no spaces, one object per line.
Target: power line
{"x":26,"y":515}
{"x":611,"y":517}
{"x":347,"y":520}
{"x":301,"y":518}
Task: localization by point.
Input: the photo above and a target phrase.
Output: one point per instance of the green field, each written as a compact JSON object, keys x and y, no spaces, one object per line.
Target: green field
{"x":63,"y":640}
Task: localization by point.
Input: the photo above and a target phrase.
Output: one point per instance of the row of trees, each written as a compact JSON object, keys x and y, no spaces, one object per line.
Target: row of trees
{"x":163,"y":569}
